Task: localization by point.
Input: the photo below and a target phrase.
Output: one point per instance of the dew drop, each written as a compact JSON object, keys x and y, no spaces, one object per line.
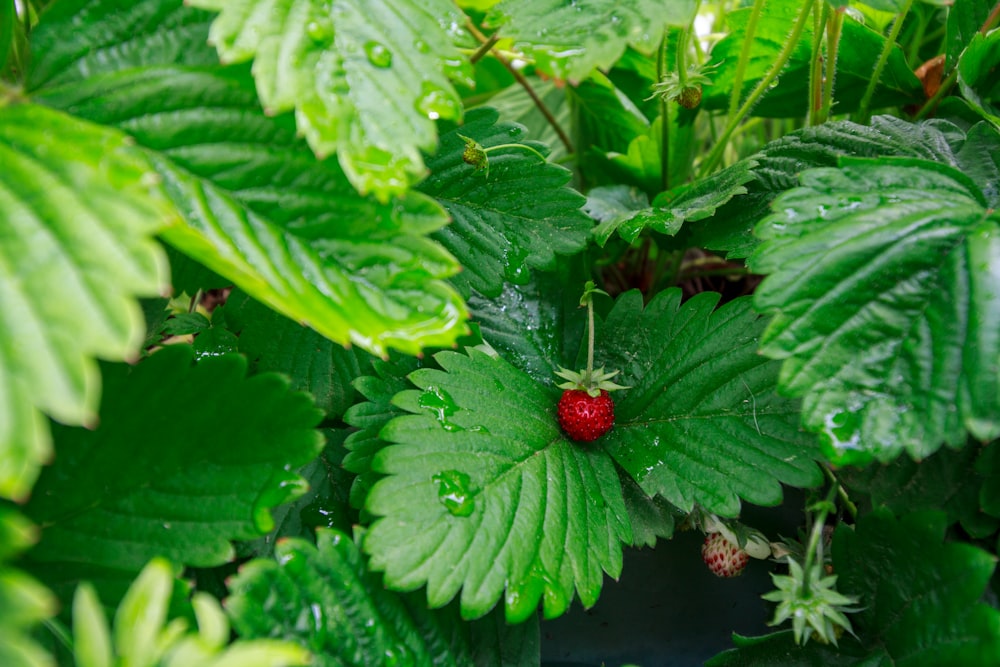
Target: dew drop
{"x":455,"y":491}
{"x":435,"y":102}
{"x":320,"y":31}
{"x":378,"y":54}
{"x":421,"y":46}
{"x":441,"y":405}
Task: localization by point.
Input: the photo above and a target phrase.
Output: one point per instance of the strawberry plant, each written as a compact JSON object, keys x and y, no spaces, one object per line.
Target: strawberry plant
{"x":290,"y":321}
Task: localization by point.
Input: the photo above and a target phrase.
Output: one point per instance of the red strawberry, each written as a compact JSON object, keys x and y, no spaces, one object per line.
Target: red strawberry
{"x":585,"y":417}
{"x":722,"y":557}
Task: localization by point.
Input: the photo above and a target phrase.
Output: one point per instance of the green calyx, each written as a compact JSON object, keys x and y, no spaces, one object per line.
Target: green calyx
{"x":592,"y":382}
{"x":589,"y":380}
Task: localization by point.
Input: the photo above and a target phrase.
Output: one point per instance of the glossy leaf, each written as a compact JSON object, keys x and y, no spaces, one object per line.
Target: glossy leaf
{"x":274,"y":343}
{"x":160,"y":477}
{"x":570,"y":40}
{"x":483,"y":495}
{"x":702,"y":422}
{"x":360,"y":622}
{"x":518,"y":214}
{"x":885,"y":306}
{"x":685,"y":203}
{"x":78,"y":210}
{"x":977,"y":75}
{"x":366,"y":78}
{"x":780,"y":162}
{"x":259,"y":209}
{"x":537,"y":326}
{"x":920,"y":595}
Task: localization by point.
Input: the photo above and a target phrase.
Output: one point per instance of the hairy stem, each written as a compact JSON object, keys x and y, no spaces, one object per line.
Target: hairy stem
{"x":661,"y":72}
{"x":716,"y":154}
{"x":741,"y":66}
{"x":833,"y":26}
{"x":523,"y":82}
{"x":864,"y":112}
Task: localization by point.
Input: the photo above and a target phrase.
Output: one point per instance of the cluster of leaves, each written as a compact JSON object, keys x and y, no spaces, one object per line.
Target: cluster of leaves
{"x":367,"y":425}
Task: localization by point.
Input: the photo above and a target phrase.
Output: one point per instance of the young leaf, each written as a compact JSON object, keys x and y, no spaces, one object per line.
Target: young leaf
{"x":143,"y":636}
{"x":160,"y":476}
{"x":78,"y":209}
{"x":367,"y":78}
{"x":23,"y":601}
{"x":259,"y":209}
{"x":886,"y":312}
{"x":920,"y":595}
{"x":569,"y":40}
{"x":483,"y":494}
{"x":519,"y":214}
{"x":702,"y":422}
{"x":353,"y":619}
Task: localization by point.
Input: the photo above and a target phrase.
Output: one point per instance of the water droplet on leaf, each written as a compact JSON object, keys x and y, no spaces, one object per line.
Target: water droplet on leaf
{"x":320,"y":31}
{"x":455,"y":491}
{"x":378,"y":54}
{"x":435,"y":102}
{"x":441,"y":405}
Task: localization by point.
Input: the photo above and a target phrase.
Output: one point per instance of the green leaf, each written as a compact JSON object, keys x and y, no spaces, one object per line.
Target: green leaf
{"x":789,"y":98}
{"x":483,"y":494}
{"x":516,"y":106}
{"x":570,"y":40}
{"x":23,"y":601}
{"x":886,"y":312}
{"x":538,"y":326}
{"x":274,"y":343}
{"x":687,"y":203}
{"x":259,"y":209}
{"x":702,"y":422}
{"x":920,"y":595}
{"x":78,"y":209}
{"x":780,"y":649}
{"x":988,"y":465}
{"x":614,"y":206}
{"x":963,"y":24}
{"x":977,"y":75}
{"x":780,"y":162}
{"x":651,"y":517}
{"x":144,"y":634}
{"x":354,"y":619}
{"x":520,"y":215}
{"x":159,"y":476}
{"x":367,"y":79}
{"x":946,"y":481}
{"x":369,"y":417}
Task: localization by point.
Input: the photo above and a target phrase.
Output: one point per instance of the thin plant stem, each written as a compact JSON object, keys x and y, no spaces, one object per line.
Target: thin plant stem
{"x":992,"y":18}
{"x":590,"y":341}
{"x":741,"y":66}
{"x":845,"y":500}
{"x":833,"y":27}
{"x":523,"y":82}
{"x":942,"y":90}
{"x":864,"y":109}
{"x":717,"y":151}
{"x":815,"y":544}
{"x":816,"y":66}
{"x":484,"y":48}
{"x":661,"y":73}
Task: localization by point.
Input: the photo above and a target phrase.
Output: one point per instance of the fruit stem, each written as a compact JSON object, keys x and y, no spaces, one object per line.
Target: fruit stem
{"x":815,"y":547}
{"x":590,"y":338}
